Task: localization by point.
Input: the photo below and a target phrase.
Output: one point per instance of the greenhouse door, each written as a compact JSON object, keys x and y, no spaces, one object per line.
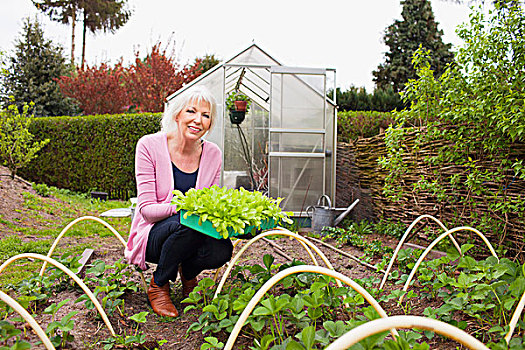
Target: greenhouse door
{"x":297,"y":154}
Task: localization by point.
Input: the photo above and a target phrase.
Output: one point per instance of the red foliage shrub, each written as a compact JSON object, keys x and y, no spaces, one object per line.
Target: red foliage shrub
{"x":98,"y":90}
{"x":156,"y":77}
{"x":143,"y":87}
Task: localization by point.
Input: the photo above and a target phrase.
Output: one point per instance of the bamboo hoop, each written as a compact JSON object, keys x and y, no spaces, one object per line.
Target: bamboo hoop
{"x":94,"y":218}
{"x":278,"y":231}
{"x":400,"y":244}
{"x":297,"y":269}
{"x":28,"y":318}
{"x":342,"y":252}
{"x":305,"y":246}
{"x":70,"y":274}
{"x":217,"y":271}
{"x":515,"y":318}
{"x":383,"y":324}
{"x":52,"y":249}
{"x":436,"y":241}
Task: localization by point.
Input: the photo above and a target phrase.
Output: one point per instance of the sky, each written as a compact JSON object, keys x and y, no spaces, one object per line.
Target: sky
{"x":342,"y":34}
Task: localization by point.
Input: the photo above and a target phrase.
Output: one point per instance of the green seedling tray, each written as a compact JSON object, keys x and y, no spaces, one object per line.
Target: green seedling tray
{"x":207,"y":228}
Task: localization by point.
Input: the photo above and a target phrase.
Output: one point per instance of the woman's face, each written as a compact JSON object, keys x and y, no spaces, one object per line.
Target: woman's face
{"x":194,"y":120}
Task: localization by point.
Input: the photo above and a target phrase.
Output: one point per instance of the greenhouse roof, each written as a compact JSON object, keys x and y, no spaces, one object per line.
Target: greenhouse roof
{"x":249,"y":71}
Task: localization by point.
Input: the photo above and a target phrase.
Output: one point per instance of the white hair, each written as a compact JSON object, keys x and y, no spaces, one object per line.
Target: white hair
{"x":195,"y":93}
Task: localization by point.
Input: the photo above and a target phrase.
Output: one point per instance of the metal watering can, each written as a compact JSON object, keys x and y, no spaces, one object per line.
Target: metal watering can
{"x":326,"y":215}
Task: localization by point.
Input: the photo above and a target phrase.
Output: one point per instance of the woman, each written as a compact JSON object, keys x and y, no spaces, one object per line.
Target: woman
{"x":176,"y":157}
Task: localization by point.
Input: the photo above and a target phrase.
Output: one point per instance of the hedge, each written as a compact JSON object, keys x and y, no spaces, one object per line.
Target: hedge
{"x":97,"y":153}
{"x":352,"y":125}
{"x":90,"y":153}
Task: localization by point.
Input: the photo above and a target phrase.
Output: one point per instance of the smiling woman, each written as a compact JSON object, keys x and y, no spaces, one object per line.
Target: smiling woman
{"x":175,"y":158}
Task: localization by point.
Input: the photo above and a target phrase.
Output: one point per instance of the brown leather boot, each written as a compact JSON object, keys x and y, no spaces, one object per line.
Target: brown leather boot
{"x":187,"y":285}
{"x":159,"y":298}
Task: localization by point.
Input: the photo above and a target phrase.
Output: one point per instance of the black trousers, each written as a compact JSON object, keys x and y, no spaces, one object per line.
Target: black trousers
{"x":171,"y":244}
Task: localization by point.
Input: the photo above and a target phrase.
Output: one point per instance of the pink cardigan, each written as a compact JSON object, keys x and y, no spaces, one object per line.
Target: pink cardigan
{"x":154,"y":177}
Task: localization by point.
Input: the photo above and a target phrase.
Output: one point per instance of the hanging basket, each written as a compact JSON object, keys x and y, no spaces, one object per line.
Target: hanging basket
{"x":237,"y":117}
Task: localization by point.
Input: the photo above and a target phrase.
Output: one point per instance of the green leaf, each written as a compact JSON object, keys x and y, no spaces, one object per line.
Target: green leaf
{"x":140,"y":317}
{"x":308,"y":337}
{"x":293,"y":345}
{"x":257,"y":325}
{"x":268,"y":261}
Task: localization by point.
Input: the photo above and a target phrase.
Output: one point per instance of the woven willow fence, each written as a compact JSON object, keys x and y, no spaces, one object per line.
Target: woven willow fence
{"x":360,"y":176}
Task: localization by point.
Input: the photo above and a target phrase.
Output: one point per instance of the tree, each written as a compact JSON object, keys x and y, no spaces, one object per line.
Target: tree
{"x":358,"y":99}
{"x":417,"y":28}
{"x":63,"y":11}
{"x":32,"y":71}
{"x":105,"y":15}
{"x":207,"y":62}
{"x":3,"y":74}
{"x":156,"y":77}
{"x":17,"y":147}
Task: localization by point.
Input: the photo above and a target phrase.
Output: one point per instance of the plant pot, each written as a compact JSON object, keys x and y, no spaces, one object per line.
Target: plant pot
{"x":237,"y":117}
{"x":240,"y":105}
{"x":207,"y":228}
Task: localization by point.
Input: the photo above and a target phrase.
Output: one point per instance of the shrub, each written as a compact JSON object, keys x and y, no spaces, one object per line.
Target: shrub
{"x":156,"y":77}
{"x":97,"y":89}
{"x":17,"y":147}
{"x":144,"y":86}
{"x":359,"y":124}
{"x":90,"y":153}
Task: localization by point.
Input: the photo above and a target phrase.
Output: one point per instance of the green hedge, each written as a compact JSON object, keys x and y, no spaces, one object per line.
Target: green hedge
{"x":90,"y":153}
{"x":352,"y":125}
{"x":97,"y":153}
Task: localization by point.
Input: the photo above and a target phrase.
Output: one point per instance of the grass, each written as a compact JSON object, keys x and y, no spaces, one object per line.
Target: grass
{"x":44,"y":217}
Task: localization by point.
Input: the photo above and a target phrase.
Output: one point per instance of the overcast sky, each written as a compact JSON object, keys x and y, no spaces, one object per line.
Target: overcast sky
{"x":341,"y":34}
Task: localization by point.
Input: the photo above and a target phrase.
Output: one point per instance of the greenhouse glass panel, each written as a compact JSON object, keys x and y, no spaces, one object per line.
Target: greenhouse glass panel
{"x":285,"y":145}
{"x":295,"y":104}
{"x":296,"y":142}
{"x":296,"y":179}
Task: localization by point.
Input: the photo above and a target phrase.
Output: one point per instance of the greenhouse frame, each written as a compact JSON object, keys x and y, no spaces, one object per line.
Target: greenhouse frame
{"x":286,"y":145}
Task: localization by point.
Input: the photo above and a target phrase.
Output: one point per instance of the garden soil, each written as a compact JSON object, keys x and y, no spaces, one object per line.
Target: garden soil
{"x":89,"y":332}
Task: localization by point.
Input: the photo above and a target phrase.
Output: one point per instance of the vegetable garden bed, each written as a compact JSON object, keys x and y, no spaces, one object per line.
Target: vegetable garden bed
{"x":127,"y":311}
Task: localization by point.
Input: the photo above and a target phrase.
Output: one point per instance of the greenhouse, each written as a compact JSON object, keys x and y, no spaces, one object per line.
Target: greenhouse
{"x":285,"y":143}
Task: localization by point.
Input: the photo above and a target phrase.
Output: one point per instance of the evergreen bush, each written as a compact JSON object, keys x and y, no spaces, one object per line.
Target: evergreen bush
{"x":90,"y":153}
{"x":352,"y":125}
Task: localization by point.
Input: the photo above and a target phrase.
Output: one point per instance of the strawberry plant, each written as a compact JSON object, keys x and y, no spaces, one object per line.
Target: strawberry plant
{"x":8,"y":332}
{"x":230,"y":210}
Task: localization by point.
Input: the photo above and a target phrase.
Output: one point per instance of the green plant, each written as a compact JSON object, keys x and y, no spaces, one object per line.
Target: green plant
{"x":112,"y":283}
{"x":42,"y":189}
{"x":229,"y":210}
{"x":355,"y":124}
{"x":8,"y":333}
{"x":64,"y":325}
{"x":390,"y":228}
{"x":17,"y":147}
{"x":212,"y":343}
{"x":236,"y":95}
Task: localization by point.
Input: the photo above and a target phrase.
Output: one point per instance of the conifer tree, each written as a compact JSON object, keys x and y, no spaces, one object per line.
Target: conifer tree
{"x":32,"y":71}
{"x":417,"y":28}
